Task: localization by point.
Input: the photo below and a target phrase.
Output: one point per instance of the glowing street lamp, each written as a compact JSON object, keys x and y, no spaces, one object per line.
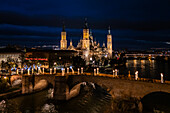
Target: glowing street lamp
{"x":21,"y":71}
{"x":81,"y":70}
{"x":43,"y":70}
{"x":113,"y":73}
{"x":116,"y":72}
{"x":78,"y":71}
{"x":91,"y":58}
{"x":162,"y":78}
{"x":17,"y":71}
{"x":136,"y":75}
{"x":97,"y":71}
{"x":72,"y":71}
{"x":51,"y":71}
{"x":129,"y":74}
{"x":67,"y":70}
{"x":63,"y":71}
{"x":39,"y":70}
{"x":54,"y":70}
{"x":28,"y":71}
{"x":94,"y":72}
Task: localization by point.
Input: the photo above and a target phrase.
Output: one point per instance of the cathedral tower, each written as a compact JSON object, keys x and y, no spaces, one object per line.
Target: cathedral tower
{"x":109,"y":44}
{"x":86,"y":41}
{"x":63,"y":41}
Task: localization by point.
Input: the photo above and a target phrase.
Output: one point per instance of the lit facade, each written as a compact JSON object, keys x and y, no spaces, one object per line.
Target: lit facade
{"x":63,"y":41}
{"x":87,"y":48}
{"x":109,"y":44}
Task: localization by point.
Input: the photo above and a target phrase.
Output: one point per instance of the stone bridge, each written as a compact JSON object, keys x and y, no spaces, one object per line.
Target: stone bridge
{"x":11,"y":78}
{"x":120,"y":87}
{"x":116,"y":87}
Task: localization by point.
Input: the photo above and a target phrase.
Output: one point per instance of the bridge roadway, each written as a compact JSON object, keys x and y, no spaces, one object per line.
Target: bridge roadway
{"x":116,"y":86}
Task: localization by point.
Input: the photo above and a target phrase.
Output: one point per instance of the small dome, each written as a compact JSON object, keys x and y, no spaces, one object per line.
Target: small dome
{"x":71,"y":47}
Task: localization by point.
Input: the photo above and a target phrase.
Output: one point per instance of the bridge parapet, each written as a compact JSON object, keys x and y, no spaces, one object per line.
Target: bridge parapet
{"x":119,"y":87}
{"x":116,"y":86}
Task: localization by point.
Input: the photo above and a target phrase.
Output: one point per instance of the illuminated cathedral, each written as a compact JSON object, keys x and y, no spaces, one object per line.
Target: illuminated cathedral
{"x":87,"y":48}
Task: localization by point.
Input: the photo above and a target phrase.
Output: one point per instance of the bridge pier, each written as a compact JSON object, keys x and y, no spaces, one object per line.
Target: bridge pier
{"x":25,"y":84}
{"x":60,"y":88}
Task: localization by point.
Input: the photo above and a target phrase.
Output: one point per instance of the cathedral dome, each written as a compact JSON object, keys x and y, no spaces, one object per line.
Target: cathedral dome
{"x":71,"y":47}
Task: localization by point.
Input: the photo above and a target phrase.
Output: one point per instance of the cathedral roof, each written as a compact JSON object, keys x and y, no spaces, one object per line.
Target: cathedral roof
{"x":71,"y":47}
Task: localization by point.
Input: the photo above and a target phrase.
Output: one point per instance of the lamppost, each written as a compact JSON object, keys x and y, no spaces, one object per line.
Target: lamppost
{"x":78,"y":71}
{"x":17,"y":71}
{"x":94,"y":72}
{"x":97,"y":71}
{"x":136,"y":75}
{"x":51,"y":71}
{"x":162,"y":78}
{"x":113,"y":73}
{"x":81,"y":70}
{"x":22,"y":71}
{"x":67,"y":70}
{"x":54,"y":70}
{"x":116,"y":72}
{"x":28,"y":71}
{"x":129,"y":76}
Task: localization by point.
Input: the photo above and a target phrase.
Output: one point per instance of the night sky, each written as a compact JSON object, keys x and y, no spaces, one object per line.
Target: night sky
{"x":135,"y":24}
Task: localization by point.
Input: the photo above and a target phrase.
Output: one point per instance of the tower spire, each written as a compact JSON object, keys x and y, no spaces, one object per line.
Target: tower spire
{"x":109,"y":30}
{"x":71,"y":43}
{"x":109,"y":43}
{"x":85,"y":25}
{"x":90,"y":32}
{"x":63,"y":41}
{"x":103,"y":44}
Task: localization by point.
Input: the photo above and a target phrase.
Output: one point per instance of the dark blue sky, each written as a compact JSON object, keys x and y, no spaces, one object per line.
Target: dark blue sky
{"x":134,"y":23}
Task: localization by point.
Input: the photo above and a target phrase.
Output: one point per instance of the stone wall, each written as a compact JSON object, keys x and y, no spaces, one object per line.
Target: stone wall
{"x":118,"y":87}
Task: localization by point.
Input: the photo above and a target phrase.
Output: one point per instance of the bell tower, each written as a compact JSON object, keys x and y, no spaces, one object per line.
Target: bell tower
{"x":109,"y":44}
{"x":86,"y":41}
{"x":63,"y":41}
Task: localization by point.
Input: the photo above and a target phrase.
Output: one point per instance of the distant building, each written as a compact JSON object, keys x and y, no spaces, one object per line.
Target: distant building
{"x":49,"y":58}
{"x":12,"y":53}
{"x":63,"y":41}
{"x":87,"y":47}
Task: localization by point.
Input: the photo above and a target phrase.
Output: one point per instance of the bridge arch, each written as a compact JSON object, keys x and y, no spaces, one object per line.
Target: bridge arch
{"x":14,"y":78}
{"x":119,"y":87}
{"x":49,"y":78}
{"x":116,"y":87}
{"x":157,"y":100}
{"x":41,"y":84}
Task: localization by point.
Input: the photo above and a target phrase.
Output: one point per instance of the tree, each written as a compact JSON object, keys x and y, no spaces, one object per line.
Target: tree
{"x":22,"y":59}
{"x":9,"y":64}
{"x":78,"y":61}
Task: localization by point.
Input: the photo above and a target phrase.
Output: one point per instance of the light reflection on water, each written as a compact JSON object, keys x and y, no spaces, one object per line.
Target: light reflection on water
{"x":147,"y":68}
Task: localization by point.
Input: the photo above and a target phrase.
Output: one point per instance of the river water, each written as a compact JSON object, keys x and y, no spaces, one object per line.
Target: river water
{"x":147,"y":68}
{"x":89,"y":100}
{"x":96,"y":100}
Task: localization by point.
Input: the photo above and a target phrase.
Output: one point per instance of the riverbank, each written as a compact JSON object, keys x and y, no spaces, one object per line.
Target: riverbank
{"x":12,"y":94}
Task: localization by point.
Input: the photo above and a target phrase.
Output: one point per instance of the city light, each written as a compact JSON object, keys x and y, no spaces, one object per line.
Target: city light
{"x":53,"y":60}
{"x":162,"y":78}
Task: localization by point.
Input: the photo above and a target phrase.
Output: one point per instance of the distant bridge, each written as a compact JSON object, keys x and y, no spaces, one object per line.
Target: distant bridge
{"x":145,"y":55}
